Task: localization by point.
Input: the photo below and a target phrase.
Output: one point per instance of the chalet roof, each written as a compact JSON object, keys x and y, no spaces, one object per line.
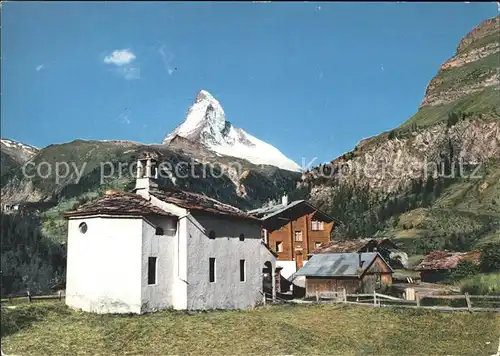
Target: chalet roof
{"x":200,"y":202}
{"x":118,"y":203}
{"x":356,"y":245}
{"x":268,"y":211}
{"x":273,"y":212}
{"x":338,"y":265}
{"x":443,"y":260}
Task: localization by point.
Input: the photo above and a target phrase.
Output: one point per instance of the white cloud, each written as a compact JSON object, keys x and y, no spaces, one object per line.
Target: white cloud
{"x":120,"y":57}
{"x":167,"y":59}
{"x":39,"y":67}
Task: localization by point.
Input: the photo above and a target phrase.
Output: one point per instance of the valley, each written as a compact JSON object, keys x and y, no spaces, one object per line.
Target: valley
{"x":431,"y":183}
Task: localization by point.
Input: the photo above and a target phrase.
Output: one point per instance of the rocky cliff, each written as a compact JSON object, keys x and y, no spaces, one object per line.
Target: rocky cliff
{"x":455,"y":133}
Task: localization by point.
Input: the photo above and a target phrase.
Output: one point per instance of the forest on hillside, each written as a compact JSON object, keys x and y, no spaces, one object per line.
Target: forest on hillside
{"x":29,"y":261}
{"x":365,"y":212}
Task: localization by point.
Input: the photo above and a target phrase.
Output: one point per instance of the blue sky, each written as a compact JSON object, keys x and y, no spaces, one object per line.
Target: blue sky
{"x":310,"y":78}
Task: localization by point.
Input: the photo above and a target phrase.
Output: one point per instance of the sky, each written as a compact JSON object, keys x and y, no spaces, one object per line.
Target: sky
{"x":312,"y":79}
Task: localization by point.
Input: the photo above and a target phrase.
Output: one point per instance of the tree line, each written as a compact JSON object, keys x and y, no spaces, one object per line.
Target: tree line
{"x":29,"y":260}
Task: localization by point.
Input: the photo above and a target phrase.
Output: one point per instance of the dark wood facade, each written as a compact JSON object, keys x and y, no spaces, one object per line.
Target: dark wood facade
{"x":435,"y":276}
{"x":297,"y":238}
{"x":376,"y":277}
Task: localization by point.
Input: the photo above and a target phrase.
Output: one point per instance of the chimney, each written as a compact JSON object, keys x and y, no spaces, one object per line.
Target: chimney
{"x":360,"y":261}
{"x":147,"y":174}
{"x":284,"y":199}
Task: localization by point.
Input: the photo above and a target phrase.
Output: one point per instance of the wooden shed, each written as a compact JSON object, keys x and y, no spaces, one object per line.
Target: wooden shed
{"x":355,"y":272}
{"x":438,"y":265}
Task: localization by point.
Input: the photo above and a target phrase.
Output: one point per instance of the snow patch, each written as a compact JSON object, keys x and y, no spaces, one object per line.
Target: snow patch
{"x":15,"y":144}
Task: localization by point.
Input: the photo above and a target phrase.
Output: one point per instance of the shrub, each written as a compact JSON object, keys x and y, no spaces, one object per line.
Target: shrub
{"x":465,"y":269}
{"x":490,"y":258}
{"x":452,"y":119}
{"x":485,"y":284}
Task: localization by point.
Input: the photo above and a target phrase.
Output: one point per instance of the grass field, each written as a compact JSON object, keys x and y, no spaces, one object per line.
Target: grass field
{"x":52,"y":329}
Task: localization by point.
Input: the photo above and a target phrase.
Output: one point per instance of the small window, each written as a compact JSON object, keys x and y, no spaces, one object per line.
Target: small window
{"x":211,"y":235}
{"x":279,"y":246}
{"x":317,"y":225}
{"x":242,"y":271}
{"x":242,"y":237}
{"x":298,"y":236}
{"x":212,"y":269}
{"x":82,"y":227}
{"x":317,"y":244}
{"x":152,"y":270}
{"x":159,"y":231}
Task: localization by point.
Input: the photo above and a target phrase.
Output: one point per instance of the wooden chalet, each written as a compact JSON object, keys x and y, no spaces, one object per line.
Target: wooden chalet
{"x":293,"y":230}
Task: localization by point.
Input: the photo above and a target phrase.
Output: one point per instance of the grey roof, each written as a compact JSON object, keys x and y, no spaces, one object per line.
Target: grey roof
{"x":337,"y":264}
{"x":269,"y":211}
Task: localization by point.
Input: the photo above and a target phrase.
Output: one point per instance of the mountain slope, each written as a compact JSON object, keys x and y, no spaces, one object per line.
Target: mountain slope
{"x":94,"y":163}
{"x":206,"y":125}
{"x":454,"y":138}
{"x":94,"y":166}
{"x":467,"y":82}
{"x":14,"y":154}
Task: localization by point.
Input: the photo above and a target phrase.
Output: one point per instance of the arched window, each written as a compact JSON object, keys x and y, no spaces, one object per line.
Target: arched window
{"x":242,"y":237}
{"x":211,"y":235}
{"x":82,"y":227}
{"x":159,"y":231}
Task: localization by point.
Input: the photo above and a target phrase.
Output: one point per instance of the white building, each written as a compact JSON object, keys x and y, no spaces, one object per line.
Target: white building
{"x":149,"y":250}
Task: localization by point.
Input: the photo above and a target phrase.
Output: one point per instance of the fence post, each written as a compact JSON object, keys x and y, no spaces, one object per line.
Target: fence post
{"x":60,"y":295}
{"x":467,"y":299}
{"x":345,"y":294}
{"x":374,"y":298}
{"x":317,"y":296}
{"x":417,"y":298}
{"x":29,"y":296}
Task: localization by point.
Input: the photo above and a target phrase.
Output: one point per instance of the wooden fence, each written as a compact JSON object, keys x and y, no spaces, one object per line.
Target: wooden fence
{"x":458,"y":302}
{"x":28,"y":297}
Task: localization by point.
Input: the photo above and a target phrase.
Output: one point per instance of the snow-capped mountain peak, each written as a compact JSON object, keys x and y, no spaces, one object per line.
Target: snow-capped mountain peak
{"x":205,"y":110}
{"x":206,"y":124}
